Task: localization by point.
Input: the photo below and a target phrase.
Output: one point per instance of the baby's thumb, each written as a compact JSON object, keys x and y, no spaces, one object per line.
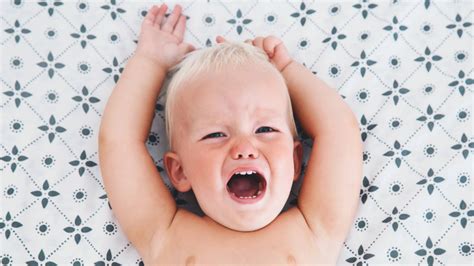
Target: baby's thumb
{"x":186,"y":48}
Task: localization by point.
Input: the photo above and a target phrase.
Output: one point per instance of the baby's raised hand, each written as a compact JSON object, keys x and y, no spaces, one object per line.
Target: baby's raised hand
{"x":273,"y":47}
{"x":162,"y":41}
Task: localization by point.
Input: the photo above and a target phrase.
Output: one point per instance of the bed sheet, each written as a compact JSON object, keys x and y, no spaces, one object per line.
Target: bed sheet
{"x":404,"y":67}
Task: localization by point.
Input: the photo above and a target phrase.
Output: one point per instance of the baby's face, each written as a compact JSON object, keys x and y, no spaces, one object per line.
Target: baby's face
{"x":229,"y":122}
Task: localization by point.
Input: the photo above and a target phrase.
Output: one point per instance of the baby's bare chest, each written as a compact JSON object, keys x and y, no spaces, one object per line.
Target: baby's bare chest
{"x":278,"y":244}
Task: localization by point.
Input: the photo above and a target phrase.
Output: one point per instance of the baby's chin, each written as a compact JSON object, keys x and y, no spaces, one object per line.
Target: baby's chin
{"x":246,"y":225}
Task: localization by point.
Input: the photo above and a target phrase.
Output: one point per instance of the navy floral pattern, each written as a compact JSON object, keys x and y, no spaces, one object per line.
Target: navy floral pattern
{"x":404,"y":67}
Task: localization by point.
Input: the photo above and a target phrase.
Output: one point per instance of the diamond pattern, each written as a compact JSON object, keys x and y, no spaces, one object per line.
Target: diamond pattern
{"x":404,"y":67}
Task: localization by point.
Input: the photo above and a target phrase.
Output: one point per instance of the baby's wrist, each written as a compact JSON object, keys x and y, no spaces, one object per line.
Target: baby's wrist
{"x":149,"y":61}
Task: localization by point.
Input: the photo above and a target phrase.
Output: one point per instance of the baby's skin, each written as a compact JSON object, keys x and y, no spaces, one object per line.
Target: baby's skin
{"x":234,"y":121}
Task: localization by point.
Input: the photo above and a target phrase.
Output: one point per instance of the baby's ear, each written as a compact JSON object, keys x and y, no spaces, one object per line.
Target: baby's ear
{"x":297,"y":158}
{"x":175,"y":172}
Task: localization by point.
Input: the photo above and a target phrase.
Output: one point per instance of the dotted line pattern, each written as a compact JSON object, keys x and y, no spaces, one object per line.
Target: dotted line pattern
{"x":34,"y":16}
{"x":448,"y":162}
{"x":442,"y":41}
{"x":135,"y":34}
{"x":444,"y":73}
{"x":447,"y":133}
{"x":350,"y":250}
{"x":120,"y":252}
{"x":414,"y":107}
{"x":319,"y":56}
{"x":103,"y":81}
{"x":29,"y":176}
{"x":347,"y":52}
{"x":375,"y":136}
{"x":96,"y":179}
{"x":347,"y":22}
{"x":288,"y":29}
{"x":413,"y":169}
{"x":26,"y":208}
{"x":6,"y":40}
{"x":33,"y":48}
{"x":100,"y":55}
{"x":67,"y":48}
{"x":31,"y":143}
{"x":350,"y":76}
{"x":23,"y":244}
{"x":381,"y":170}
{"x":67,"y":146}
{"x":378,"y":45}
{"x":409,"y":45}
{"x":95,"y":110}
{"x":67,"y":82}
{"x":59,"y":210}
{"x":34,"y":111}
{"x":375,"y":16}
{"x":410,"y":234}
{"x":251,"y":32}
{"x":439,"y":10}
{"x":196,"y":38}
{"x":33,"y":79}
{"x":445,"y":99}
{"x":93,"y":247}
{"x":5,"y":104}
{"x":58,"y":247}
{"x":377,"y":204}
{"x":442,"y":194}
{"x":412,"y":198}
{"x":414,"y":133}
{"x":378,"y":110}
{"x":98,"y":21}
{"x":445,"y":232}
{"x":69,"y":113}
{"x":225,"y":7}
{"x":411,"y":11}
{"x":317,"y":26}
{"x":64,"y":177}
{"x":378,"y":77}
{"x":411,"y":74}
{"x":96,"y":211}
{"x":378,"y":236}
{"x":67,"y":20}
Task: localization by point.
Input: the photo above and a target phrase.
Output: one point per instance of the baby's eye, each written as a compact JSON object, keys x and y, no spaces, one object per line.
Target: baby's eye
{"x":214,"y":135}
{"x":265,"y":130}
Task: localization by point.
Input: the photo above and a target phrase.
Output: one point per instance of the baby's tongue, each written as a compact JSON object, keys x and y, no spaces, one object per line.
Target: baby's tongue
{"x":243,"y":185}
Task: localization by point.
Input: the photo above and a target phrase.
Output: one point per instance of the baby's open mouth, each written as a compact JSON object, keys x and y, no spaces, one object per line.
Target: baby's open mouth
{"x":246,"y":184}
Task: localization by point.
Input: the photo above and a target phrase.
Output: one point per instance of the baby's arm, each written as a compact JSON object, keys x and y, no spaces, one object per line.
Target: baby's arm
{"x":140,"y":200}
{"x":329,"y":194}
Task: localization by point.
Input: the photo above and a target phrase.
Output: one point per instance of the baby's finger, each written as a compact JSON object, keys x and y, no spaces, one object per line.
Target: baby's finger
{"x":258,"y":42}
{"x":270,"y":43}
{"x":161,"y":14}
{"x":151,"y":15}
{"x":220,"y":39}
{"x":180,"y":28}
{"x":172,"y":18}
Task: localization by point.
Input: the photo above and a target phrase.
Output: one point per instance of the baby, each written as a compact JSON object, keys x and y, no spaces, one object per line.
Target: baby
{"x":233,"y":141}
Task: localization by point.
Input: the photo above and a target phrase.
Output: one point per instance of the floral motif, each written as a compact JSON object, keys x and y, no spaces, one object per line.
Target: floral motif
{"x":51,"y":193}
{"x":366,"y":189}
{"x":430,"y":181}
{"x":398,"y":159}
{"x":431,"y":117}
{"x":113,"y":9}
{"x":361,"y":257}
{"x":334,"y":41}
{"x":17,"y":30}
{"x":238,"y":21}
{"x":365,"y":7}
{"x":395,"y":218}
{"x":362,"y":62}
{"x":458,"y":25}
{"x":363,"y":122}
{"x":464,"y":146}
{"x":85,"y":105}
{"x":395,"y":90}
{"x":303,"y":13}
{"x":462,"y":79}
{"x":17,"y":92}
{"x":50,"y":65}
{"x":8,"y":158}
{"x":77,"y":228}
{"x":462,"y":214}
{"x":430,"y":252}
{"x":83,"y":157}
{"x":394,"y":28}
{"x":83,"y":31}
{"x":14,"y":224}
{"x":427,"y":58}
{"x":52,"y":133}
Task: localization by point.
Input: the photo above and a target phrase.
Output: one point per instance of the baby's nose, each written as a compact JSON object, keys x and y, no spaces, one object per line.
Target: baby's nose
{"x":244,"y":149}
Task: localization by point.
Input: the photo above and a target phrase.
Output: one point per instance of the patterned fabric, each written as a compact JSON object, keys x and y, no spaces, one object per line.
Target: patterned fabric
{"x":404,"y":67}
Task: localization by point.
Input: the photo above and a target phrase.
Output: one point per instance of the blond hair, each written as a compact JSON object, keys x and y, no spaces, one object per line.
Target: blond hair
{"x":211,"y":59}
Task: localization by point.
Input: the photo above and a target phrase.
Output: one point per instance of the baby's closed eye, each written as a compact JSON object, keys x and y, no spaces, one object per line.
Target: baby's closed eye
{"x":263,"y":129}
